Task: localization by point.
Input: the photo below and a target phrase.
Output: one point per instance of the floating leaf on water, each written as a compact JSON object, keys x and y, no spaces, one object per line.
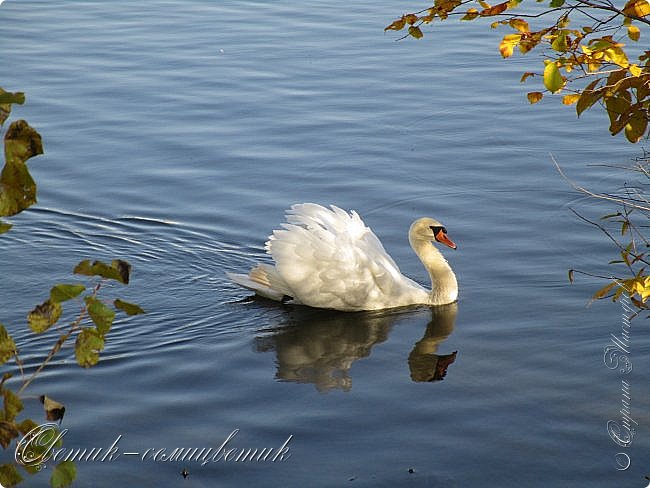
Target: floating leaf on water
{"x":44,"y":316}
{"x":129,"y":308}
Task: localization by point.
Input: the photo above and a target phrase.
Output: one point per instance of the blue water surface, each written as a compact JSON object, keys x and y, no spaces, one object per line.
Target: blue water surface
{"x":177,"y":133}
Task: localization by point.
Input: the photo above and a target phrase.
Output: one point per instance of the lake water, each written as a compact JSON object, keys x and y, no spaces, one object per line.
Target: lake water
{"x":177,"y":133}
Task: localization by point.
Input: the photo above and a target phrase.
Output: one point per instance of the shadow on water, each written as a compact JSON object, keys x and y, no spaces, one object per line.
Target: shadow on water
{"x":319,"y":347}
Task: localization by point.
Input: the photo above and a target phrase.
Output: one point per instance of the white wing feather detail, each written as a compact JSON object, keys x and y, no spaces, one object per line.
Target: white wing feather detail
{"x":328,"y":258}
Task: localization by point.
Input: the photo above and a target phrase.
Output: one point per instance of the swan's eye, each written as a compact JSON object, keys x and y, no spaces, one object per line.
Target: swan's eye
{"x":437,"y":228}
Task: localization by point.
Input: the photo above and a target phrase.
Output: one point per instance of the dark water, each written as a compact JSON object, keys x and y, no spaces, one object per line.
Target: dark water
{"x":177,"y":133}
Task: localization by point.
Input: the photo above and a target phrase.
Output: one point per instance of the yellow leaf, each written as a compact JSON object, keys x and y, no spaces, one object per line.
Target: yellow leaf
{"x":618,"y":56}
{"x":635,"y":70}
{"x":604,"y":291}
{"x":570,"y":99}
{"x":633,"y":32}
{"x":471,"y":14}
{"x":484,"y":4}
{"x":519,"y":24}
{"x":508,"y":43}
{"x":534,"y":97}
{"x":553,"y":80}
{"x":638,"y":8}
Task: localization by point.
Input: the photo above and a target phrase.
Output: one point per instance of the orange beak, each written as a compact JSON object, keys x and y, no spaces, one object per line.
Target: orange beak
{"x":442,"y":237}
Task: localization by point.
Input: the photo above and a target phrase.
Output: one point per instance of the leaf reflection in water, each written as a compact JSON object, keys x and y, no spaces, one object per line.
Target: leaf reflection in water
{"x":319,"y":347}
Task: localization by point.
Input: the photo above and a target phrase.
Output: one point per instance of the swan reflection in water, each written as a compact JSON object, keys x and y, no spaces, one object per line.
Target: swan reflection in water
{"x":319,"y":347}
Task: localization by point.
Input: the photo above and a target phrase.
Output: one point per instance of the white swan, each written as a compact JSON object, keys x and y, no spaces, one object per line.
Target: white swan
{"x":327,"y":258}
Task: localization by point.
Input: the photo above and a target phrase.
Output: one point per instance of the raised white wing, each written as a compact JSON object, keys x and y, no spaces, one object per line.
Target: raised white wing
{"x":328,"y":258}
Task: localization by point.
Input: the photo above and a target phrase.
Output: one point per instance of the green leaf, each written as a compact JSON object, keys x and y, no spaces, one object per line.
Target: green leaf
{"x":7,"y":345}
{"x":6,"y":99}
{"x":17,"y":188}
{"x":9,"y":475}
{"x":636,"y":128}
{"x":44,"y":316}
{"x":4,"y":227}
{"x":100,"y":314}
{"x":63,"y":475}
{"x":12,"y":405}
{"x":129,"y":308}
{"x":61,"y":293}
{"x":8,"y":433}
{"x":553,"y":80}
{"x":557,"y":3}
{"x":26,"y":426}
{"x":87,"y":347}
{"x":118,"y":270}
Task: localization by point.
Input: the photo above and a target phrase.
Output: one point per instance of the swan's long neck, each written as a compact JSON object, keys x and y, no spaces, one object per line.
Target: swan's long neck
{"x":444,"y":287}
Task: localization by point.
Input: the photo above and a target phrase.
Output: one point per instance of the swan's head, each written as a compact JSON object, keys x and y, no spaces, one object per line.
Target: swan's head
{"x":427,"y":229}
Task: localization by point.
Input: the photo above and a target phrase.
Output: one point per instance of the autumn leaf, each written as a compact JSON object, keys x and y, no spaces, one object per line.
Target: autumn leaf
{"x":553,"y":80}
{"x":519,"y":24}
{"x":410,"y":19}
{"x":508,"y":43}
{"x":637,"y":8}
{"x":633,"y":32}
{"x":397,"y":25}
{"x":534,"y":97}
{"x":496,"y":10}
{"x":415,"y":32}
{"x":570,"y":99}
{"x":471,"y":14}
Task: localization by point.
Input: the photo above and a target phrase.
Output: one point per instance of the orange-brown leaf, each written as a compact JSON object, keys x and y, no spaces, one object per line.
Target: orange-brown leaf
{"x":570,"y":99}
{"x":410,"y":19}
{"x":397,"y":25}
{"x":534,"y":97}
{"x":496,"y":10}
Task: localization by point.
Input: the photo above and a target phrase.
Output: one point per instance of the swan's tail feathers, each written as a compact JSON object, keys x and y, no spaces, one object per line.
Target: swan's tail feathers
{"x":265,"y":281}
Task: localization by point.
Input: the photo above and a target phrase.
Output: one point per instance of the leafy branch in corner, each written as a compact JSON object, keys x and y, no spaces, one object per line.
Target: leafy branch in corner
{"x":89,"y":328}
{"x":588,"y":64}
